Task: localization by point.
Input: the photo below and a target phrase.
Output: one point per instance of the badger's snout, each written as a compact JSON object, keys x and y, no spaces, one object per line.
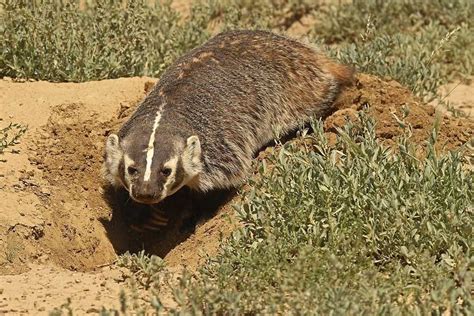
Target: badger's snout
{"x":145,"y":194}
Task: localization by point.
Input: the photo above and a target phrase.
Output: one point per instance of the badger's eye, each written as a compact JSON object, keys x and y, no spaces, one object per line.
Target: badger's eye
{"x":166,"y":172}
{"x":132,"y":171}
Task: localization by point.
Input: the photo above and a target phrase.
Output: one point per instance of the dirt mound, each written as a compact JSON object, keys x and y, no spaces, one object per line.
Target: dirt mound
{"x":55,"y":209}
{"x":391,"y":104}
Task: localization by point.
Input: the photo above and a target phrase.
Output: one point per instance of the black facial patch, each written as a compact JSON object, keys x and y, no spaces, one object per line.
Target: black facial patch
{"x":121,"y":170}
{"x":179,"y":174}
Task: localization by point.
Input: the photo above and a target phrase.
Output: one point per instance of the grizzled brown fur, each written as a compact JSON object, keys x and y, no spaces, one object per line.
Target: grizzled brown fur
{"x":231,"y":92}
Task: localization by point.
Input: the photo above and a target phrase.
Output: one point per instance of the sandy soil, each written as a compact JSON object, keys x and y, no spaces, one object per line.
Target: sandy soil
{"x":26,"y":294}
{"x":459,"y":96}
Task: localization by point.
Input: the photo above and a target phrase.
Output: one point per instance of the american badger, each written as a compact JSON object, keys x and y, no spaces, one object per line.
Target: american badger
{"x":215,"y":108}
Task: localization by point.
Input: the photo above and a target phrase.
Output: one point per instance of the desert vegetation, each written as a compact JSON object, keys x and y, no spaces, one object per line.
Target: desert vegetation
{"x":344,"y":225}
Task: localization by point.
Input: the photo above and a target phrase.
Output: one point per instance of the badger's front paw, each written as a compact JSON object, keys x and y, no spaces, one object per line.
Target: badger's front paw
{"x":153,"y":219}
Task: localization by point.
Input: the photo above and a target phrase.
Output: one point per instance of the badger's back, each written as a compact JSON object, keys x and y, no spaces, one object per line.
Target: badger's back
{"x":233,"y":91}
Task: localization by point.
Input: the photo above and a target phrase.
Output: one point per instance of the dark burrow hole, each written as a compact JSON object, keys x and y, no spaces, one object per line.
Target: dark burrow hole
{"x":134,"y":226}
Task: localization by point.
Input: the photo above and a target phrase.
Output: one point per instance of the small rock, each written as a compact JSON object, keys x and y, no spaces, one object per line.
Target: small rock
{"x":43,"y":259}
{"x":148,"y":87}
{"x":119,"y":278}
{"x":93,"y":310}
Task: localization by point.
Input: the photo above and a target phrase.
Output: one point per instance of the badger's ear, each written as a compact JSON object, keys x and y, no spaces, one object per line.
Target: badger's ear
{"x":112,"y":146}
{"x":113,"y":156}
{"x":192,"y":155}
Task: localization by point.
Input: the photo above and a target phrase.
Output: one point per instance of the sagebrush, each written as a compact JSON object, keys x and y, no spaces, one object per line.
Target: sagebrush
{"x":357,"y":228}
{"x":62,"y":41}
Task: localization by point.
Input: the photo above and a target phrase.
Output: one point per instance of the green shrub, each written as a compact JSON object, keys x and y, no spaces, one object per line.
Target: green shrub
{"x":400,"y":57}
{"x":352,"y":229}
{"x":421,"y":44}
{"x":59,"y":41}
{"x":260,"y":14}
{"x":346,"y":22}
{"x":145,"y":269}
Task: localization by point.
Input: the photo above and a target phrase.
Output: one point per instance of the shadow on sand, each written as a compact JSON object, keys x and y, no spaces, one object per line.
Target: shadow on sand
{"x":133,"y":226}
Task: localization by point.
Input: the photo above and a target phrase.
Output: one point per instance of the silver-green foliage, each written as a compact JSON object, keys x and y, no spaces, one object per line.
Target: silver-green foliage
{"x":402,"y":58}
{"x":421,"y":44}
{"x":352,"y":229}
{"x":260,"y":14}
{"x":60,"y":41}
{"x":145,"y":269}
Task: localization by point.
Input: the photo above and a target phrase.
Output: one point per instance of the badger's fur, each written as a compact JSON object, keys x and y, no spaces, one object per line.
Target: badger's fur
{"x":214,"y":108}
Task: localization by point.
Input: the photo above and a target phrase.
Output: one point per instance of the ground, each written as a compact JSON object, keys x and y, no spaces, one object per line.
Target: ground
{"x":61,"y":228}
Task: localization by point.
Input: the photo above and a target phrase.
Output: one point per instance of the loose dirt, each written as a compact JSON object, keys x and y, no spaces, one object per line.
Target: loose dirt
{"x":392,"y":105}
{"x":61,"y":228}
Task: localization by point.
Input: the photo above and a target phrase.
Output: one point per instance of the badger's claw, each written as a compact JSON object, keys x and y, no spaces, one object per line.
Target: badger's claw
{"x":137,"y":228}
{"x":155,"y":220}
{"x":158,"y":218}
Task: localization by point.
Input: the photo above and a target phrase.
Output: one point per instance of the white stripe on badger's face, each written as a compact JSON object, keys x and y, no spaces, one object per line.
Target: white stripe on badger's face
{"x":151,"y":148}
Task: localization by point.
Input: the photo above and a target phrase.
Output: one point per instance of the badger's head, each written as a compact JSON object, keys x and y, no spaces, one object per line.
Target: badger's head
{"x":152,"y":168}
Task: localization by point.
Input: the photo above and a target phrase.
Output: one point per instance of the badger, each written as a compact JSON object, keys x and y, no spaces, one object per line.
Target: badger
{"x":213,"y":110}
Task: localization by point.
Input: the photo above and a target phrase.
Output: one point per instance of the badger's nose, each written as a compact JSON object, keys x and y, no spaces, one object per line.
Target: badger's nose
{"x":144,"y":194}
